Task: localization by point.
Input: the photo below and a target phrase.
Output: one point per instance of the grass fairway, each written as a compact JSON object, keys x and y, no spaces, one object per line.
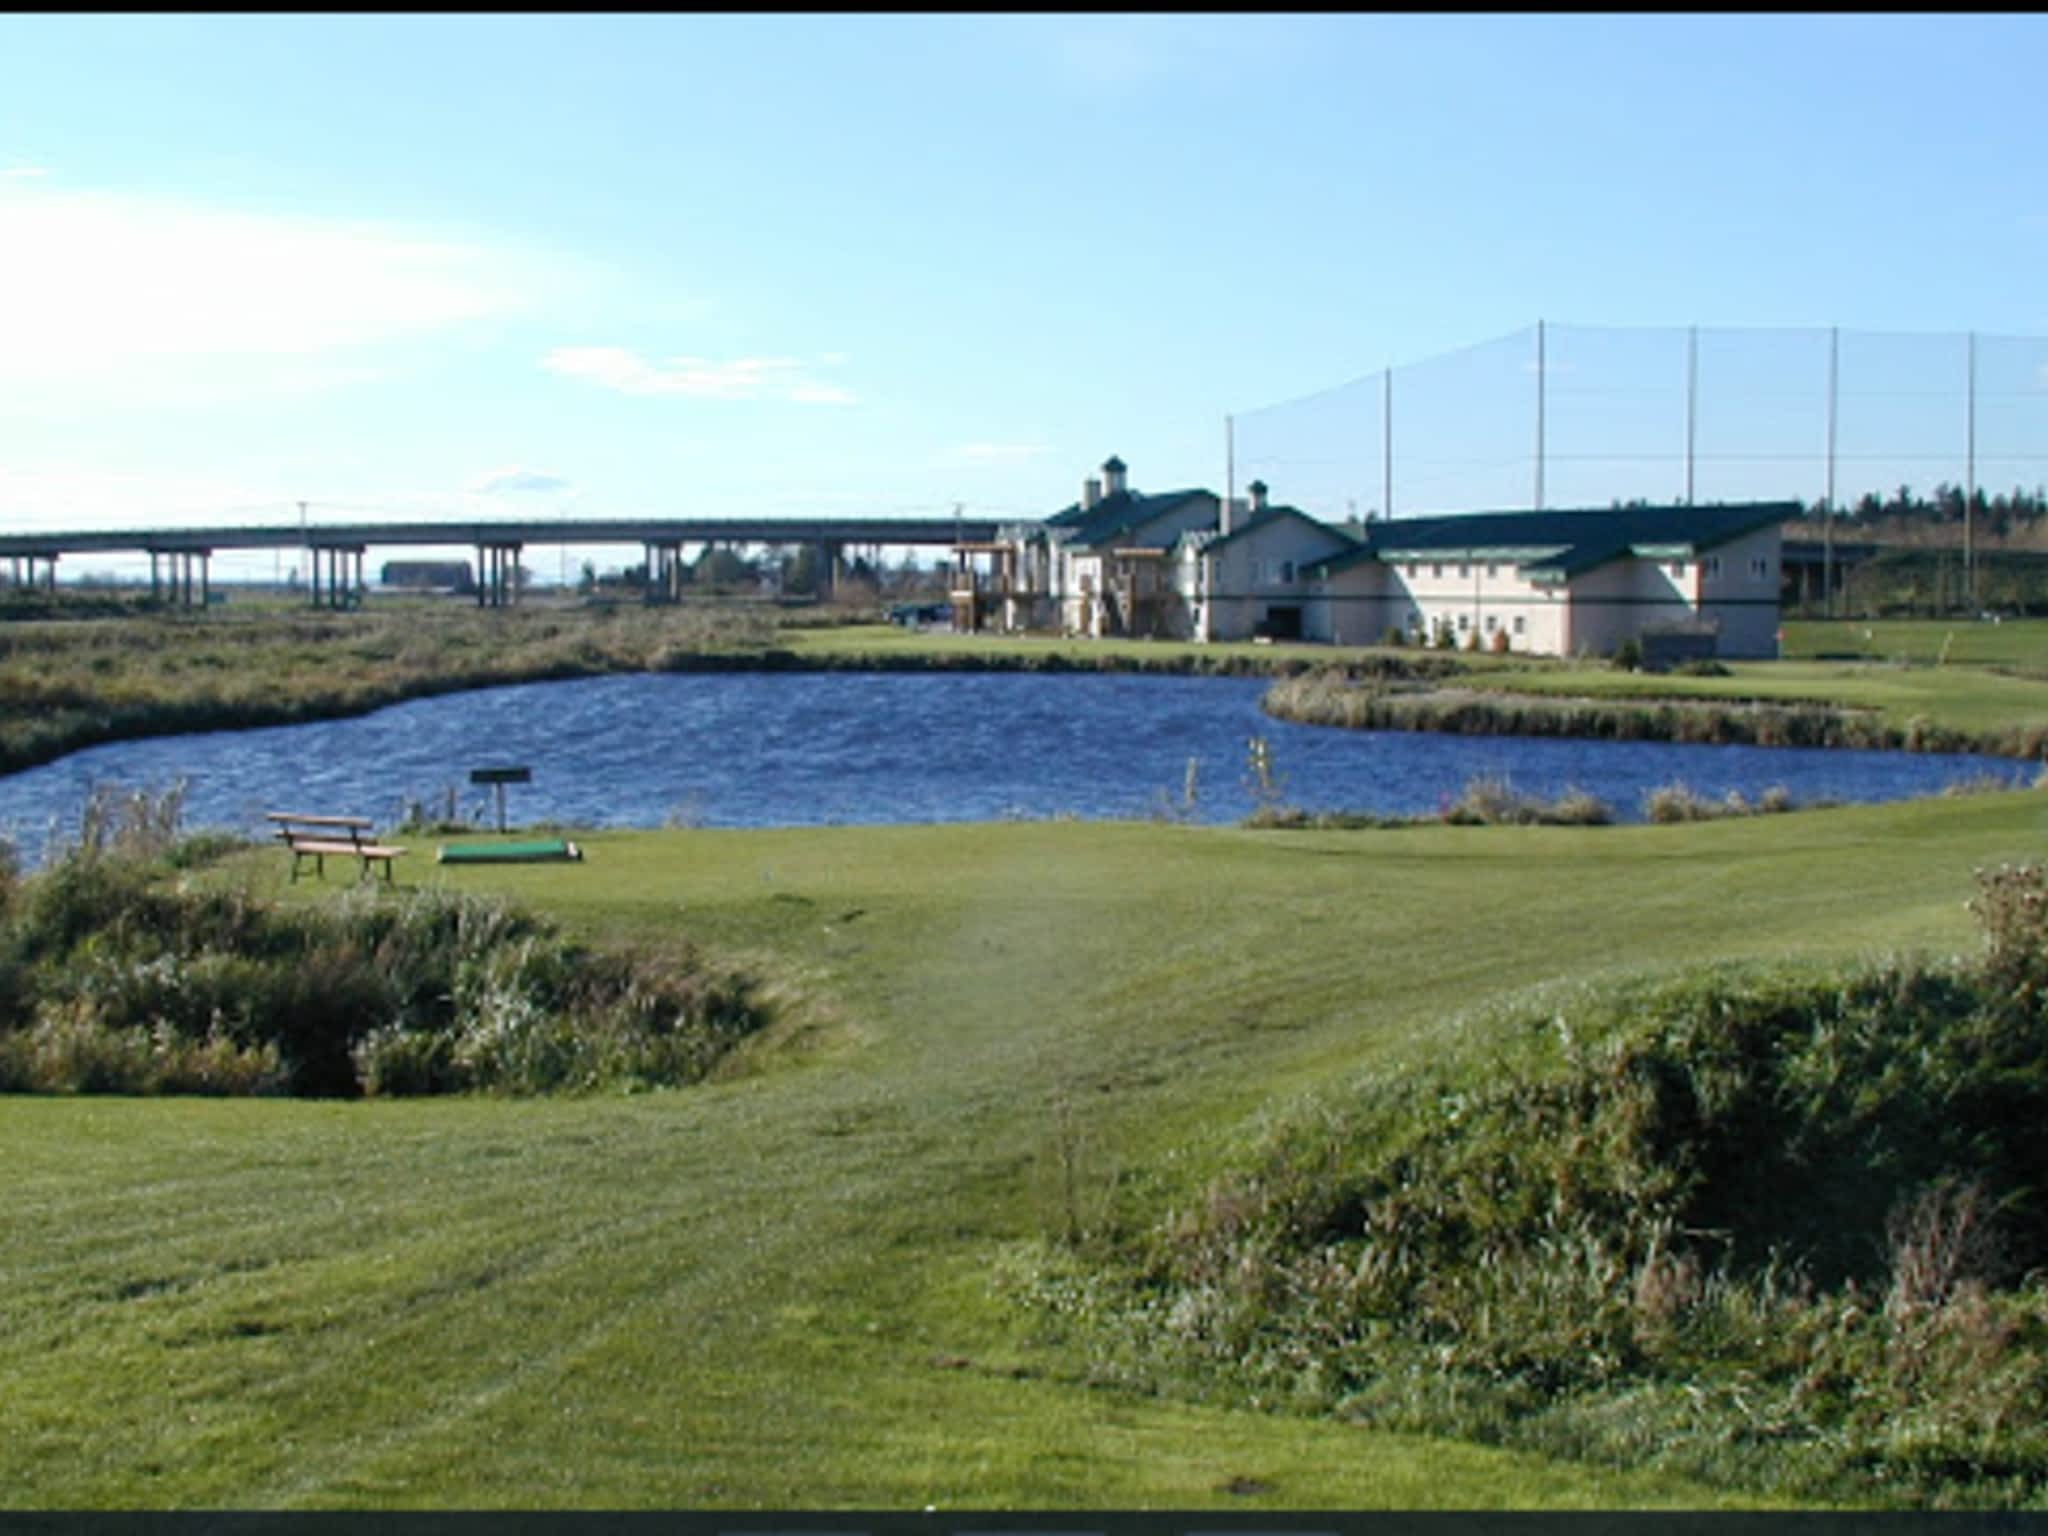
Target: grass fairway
{"x":2009,"y":643}
{"x":776,"y":1290}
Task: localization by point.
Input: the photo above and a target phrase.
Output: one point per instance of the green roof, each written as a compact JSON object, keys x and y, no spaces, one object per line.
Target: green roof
{"x":1554,"y":546}
{"x":1115,"y":515}
{"x":1266,"y":517}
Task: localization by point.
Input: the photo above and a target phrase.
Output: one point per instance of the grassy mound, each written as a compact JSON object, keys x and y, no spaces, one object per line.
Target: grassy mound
{"x":1780,"y":1228}
{"x":115,"y":977}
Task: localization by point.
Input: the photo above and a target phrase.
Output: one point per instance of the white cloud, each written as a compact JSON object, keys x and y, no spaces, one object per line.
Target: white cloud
{"x":24,"y":172}
{"x":109,"y":287}
{"x":697,"y":378}
{"x":514,"y":479}
{"x":1002,"y":453}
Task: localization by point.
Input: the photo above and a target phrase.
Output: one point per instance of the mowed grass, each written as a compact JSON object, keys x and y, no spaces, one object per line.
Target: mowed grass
{"x":780,"y":1289}
{"x":2009,"y":643}
{"x":1961,"y":698}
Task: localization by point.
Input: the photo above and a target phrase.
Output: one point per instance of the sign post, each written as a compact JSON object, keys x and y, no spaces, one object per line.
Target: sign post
{"x":498,"y":778}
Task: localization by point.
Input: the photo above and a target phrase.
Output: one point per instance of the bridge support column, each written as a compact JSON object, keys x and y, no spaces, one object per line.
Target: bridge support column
{"x":333,"y":586}
{"x":497,"y":583}
{"x":664,"y":571}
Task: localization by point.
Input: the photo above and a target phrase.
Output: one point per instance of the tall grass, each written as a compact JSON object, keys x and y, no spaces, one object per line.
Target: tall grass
{"x":1332,"y":697}
{"x":117,"y":977}
{"x":1782,"y":1228}
{"x":1488,"y":800}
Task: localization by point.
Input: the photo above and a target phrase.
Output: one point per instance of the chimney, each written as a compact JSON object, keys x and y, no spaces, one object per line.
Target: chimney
{"x":1091,"y":492}
{"x":1113,"y":476}
{"x":1257,"y":491}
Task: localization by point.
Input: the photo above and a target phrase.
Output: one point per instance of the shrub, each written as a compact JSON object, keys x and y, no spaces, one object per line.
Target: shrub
{"x":1628,"y":656}
{"x":1499,"y":645}
{"x":112,"y":980}
{"x":1783,"y":1225}
{"x":1579,"y":808}
{"x":1677,"y":802}
{"x":2011,"y":907}
{"x":1489,"y":800}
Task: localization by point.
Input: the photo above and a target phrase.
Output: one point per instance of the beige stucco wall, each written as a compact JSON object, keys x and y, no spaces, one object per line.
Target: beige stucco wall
{"x":1247,"y":578}
{"x":1743,"y":593}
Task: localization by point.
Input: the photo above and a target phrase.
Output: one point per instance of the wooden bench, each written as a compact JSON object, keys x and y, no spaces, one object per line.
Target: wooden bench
{"x":314,"y":837}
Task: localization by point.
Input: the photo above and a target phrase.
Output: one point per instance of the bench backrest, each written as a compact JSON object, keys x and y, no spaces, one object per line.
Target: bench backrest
{"x":298,"y":818}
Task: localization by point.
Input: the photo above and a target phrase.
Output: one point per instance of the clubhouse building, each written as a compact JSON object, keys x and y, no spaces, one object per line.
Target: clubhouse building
{"x":1184,"y":565}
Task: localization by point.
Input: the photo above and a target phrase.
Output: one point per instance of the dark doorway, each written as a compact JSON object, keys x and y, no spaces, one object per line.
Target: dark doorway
{"x":1283,"y":621}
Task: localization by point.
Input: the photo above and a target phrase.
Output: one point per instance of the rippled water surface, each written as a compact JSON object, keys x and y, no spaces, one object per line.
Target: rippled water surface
{"x":782,"y":749}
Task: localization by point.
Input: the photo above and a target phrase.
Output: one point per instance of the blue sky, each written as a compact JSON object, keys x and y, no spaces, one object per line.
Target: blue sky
{"x":649,"y":265}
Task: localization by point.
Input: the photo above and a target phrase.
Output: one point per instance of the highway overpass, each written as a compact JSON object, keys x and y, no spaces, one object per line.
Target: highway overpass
{"x":179,"y":557}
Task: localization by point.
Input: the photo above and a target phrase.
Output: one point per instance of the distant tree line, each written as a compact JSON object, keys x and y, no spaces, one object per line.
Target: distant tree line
{"x":1998,"y":513}
{"x":793,"y":570}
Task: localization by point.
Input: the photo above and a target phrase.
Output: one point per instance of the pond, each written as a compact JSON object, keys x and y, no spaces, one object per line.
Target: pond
{"x":794,"y":749}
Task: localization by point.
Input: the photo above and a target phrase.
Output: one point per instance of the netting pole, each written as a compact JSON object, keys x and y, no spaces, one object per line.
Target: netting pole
{"x":1387,"y":444}
{"x":1827,"y":517}
{"x":1692,"y":400}
{"x":1970,"y":485}
{"x":1539,"y":415}
{"x":1229,"y":471}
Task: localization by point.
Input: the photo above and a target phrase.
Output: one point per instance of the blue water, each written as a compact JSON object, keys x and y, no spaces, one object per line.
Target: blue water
{"x":788,"y":749}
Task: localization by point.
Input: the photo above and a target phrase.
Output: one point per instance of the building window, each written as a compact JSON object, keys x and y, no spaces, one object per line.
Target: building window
{"x":1464,"y":570}
{"x":1412,"y":567}
{"x":1760,"y":566}
{"x":1287,"y":571}
{"x":1713,"y":567}
{"x":1518,"y":623}
{"x":1492,"y":570}
{"x":1678,"y":567}
{"x":1491,"y":623}
{"x":1464,"y":621}
{"x":1436,"y":570}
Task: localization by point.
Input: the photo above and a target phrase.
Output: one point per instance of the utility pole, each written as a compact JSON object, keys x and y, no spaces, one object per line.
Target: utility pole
{"x":306,"y":554}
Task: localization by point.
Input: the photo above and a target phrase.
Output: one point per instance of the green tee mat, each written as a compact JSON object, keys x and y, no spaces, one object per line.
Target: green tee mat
{"x":509,"y":853}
